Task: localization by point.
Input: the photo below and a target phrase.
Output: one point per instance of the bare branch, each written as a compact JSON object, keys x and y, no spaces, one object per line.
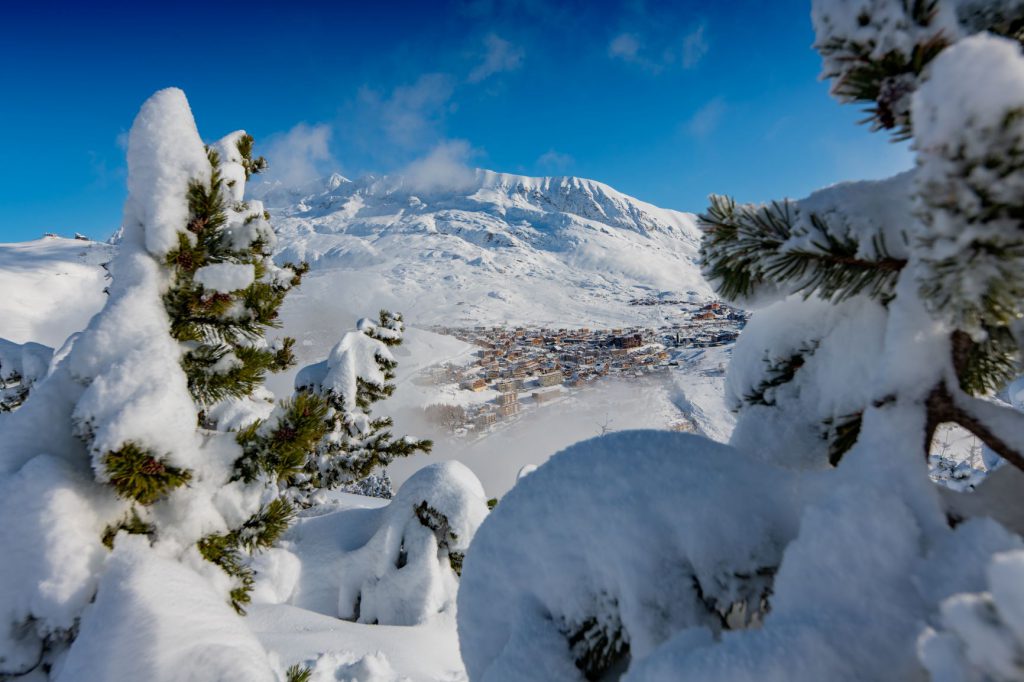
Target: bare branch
{"x":1000,"y":428}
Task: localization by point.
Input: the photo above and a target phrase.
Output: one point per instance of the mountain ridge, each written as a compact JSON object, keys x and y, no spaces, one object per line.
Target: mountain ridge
{"x":490,"y":246}
{"x":606,"y":204}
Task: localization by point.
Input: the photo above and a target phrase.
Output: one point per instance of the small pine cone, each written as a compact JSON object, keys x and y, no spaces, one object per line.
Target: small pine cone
{"x":152,"y":467}
{"x":284,"y":434}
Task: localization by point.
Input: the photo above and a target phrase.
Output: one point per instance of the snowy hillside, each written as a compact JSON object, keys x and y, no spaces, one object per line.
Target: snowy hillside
{"x":498,"y":248}
{"x":51,"y":287}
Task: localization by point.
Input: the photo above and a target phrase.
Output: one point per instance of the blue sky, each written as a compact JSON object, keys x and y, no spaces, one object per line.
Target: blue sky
{"x":665,"y":101}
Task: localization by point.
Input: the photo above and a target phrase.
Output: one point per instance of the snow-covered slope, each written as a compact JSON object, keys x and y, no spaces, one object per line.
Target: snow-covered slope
{"x":496,"y":248}
{"x":50,"y":287}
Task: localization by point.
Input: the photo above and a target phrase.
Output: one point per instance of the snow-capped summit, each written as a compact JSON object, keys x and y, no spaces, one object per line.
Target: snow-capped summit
{"x":486,"y":247}
{"x":583,"y":198}
{"x":278,"y":193}
{"x":499,"y":192}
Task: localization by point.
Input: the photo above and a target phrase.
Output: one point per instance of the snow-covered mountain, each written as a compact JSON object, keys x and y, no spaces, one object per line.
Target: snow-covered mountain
{"x":492,"y":247}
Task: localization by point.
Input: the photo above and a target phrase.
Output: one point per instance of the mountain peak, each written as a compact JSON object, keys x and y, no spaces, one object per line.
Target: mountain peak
{"x":334,"y":181}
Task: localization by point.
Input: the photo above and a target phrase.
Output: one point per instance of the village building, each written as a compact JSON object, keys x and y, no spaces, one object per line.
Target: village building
{"x":485,"y":419}
{"x":541,"y":397}
{"x":476,"y":384}
{"x":505,"y":386}
{"x":550,"y":379}
{"x":626,"y":342}
{"x":507,"y":398}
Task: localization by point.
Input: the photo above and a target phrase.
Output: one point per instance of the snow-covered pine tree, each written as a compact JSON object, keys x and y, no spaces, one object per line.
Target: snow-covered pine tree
{"x":945,"y":237}
{"x":356,"y":375}
{"x":119,"y":488}
{"x":882,"y":310}
{"x":877,"y":52}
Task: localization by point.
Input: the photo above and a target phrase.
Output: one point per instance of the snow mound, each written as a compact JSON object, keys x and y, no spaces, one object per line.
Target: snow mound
{"x":145,"y":598}
{"x":406,"y":573}
{"x":391,"y":565}
{"x":981,"y":636}
{"x":648,"y":555}
{"x":29,"y":361}
{"x":833,"y":346}
{"x":601,"y":548}
{"x":353,"y":358}
{"x":58,"y":550}
{"x":374,"y":667}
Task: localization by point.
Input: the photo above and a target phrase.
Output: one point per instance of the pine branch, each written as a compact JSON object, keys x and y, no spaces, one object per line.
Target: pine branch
{"x":885,"y":83}
{"x":283,"y":452}
{"x":842,"y":434}
{"x":265,"y":527}
{"x":988,"y":365}
{"x":298,"y":673}
{"x":215,"y":324}
{"x":1000,"y":428}
{"x":138,"y":474}
{"x":598,"y":646}
{"x":746,"y":247}
{"x":834,"y":271}
{"x":252,"y":166}
{"x":731,"y":251}
{"x":778,"y":374}
{"x":131,"y":524}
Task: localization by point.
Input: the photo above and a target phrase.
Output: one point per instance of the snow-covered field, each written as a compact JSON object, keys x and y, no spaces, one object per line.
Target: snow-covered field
{"x":50,"y":288}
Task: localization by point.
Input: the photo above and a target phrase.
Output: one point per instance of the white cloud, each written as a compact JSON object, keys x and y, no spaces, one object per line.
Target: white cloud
{"x":706,"y":118}
{"x":625,"y":46}
{"x":102,"y":173}
{"x":655,"y":50}
{"x":409,"y":117}
{"x":695,"y":46}
{"x":556,"y":162}
{"x":500,"y":56}
{"x":300,"y":155}
{"x":446,"y":167}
